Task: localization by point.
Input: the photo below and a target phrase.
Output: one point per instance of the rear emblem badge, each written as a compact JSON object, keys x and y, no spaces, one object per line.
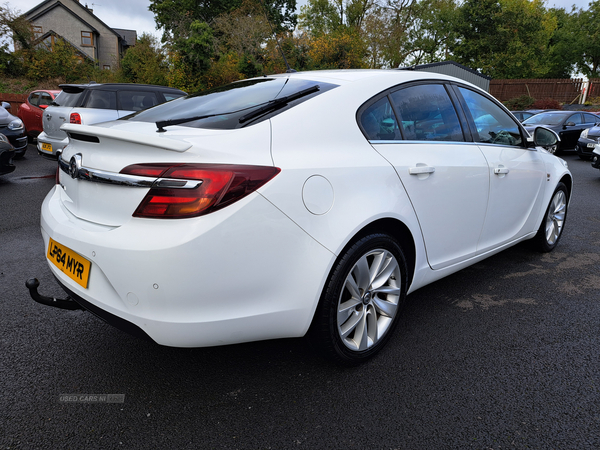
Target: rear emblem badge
{"x":75,"y":165}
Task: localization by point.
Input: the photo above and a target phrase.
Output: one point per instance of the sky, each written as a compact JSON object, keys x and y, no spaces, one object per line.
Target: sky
{"x":134,"y":14}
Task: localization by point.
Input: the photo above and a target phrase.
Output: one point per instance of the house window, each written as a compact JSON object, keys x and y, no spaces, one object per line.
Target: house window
{"x":47,"y":44}
{"x":106,"y":67}
{"x":37,"y":31}
{"x":87,"y":39}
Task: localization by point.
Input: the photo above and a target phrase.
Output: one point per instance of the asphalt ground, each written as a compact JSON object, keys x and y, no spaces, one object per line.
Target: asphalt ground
{"x":501,"y":355}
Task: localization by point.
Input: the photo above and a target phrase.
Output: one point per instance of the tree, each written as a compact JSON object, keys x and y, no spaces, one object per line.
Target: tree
{"x":61,"y":61}
{"x":13,"y":27}
{"x":563,"y":51}
{"x":589,"y":40}
{"x":431,"y":31}
{"x":504,"y":38}
{"x":145,"y":62}
{"x":342,"y":49}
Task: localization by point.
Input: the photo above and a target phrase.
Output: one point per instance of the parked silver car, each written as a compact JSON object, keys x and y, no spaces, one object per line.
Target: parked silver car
{"x":94,"y":103}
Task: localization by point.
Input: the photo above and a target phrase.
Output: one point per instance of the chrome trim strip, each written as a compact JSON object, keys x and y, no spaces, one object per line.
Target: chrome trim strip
{"x":77,"y":171}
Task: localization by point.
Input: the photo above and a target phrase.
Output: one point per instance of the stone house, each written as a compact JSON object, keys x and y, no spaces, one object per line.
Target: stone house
{"x":77,"y":25}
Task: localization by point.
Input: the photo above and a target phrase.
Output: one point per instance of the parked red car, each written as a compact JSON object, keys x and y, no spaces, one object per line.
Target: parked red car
{"x":31,"y":111}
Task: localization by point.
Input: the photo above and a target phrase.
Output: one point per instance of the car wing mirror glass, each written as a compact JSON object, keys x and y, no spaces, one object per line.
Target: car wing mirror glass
{"x":545,"y":137}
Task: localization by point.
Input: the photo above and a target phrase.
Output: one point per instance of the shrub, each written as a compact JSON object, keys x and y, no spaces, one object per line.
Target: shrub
{"x":546,"y":103}
{"x":519,"y":103}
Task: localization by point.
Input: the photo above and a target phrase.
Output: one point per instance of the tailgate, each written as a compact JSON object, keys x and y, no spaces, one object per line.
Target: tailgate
{"x":93,"y":188}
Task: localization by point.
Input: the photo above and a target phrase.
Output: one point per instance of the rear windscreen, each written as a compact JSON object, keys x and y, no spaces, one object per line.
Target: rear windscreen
{"x":227,"y":104}
{"x":67,"y":98}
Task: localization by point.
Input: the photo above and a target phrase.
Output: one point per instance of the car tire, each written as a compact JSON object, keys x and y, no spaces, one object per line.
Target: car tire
{"x":553,"y":223}
{"x":361,"y":302}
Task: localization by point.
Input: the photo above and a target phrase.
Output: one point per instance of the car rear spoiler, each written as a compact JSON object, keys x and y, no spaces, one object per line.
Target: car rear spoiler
{"x":75,"y":131}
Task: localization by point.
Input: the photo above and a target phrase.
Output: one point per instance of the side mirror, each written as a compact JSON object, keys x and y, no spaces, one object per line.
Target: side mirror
{"x":546,"y":138}
{"x":6,"y":105}
{"x":569,"y":124}
{"x":43,"y":106}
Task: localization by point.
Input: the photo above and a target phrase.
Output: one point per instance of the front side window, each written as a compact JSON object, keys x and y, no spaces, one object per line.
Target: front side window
{"x":427,"y":113}
{"x":137,"y":100}
{"x":576,"y":119}
{"x":378,"y":122}
{"x":87,"y":39}
{"x":493,"y":125}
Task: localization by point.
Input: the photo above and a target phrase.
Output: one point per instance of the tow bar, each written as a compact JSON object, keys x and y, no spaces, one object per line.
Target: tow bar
{"x":33,"y":284}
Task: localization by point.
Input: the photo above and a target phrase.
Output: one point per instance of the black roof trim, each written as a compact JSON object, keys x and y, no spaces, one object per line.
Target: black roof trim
{"x":109,"y":86}
{"x":444,"y":63}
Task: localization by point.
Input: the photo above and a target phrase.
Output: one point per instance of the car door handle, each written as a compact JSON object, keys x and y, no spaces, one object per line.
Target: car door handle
{"x":500,"y":170}
{"x":421,"y":169}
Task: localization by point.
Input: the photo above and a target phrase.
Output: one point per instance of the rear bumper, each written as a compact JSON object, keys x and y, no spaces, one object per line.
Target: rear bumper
{"x":57,"y":145}
{"x":109,"y":318}
{"x":245,"y":273}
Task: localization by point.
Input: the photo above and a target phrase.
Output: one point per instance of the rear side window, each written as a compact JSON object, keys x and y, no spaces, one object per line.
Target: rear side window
{"x":379,"y":122}
{"x":427,"y":114}
{"x":493,"y":125}
{"x":137,"y":100}
{"x":102,"y":99}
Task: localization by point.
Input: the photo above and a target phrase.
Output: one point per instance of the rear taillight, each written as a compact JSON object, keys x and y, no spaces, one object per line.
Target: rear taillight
{"x":75,"y":118}
{"x":222,"y":185}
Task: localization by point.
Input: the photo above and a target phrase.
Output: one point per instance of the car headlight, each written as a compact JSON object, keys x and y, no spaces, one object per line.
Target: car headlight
{"x":16,"y":124}
{"x":584,"y":133}
{"x":3,"y":138}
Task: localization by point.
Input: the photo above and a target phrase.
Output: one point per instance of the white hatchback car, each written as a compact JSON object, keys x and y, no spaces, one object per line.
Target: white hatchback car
{"x":291,"y":204}
{"x":94,"y":103}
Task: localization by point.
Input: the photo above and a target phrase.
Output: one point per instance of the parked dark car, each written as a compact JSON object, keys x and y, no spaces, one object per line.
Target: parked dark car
{"x":567,"y":124}
{"x":7,"y":153}
{"x":31,"y":111}
{"x":12,"y":127}
{"x":522,"y":115}
{"x":588,"y":140}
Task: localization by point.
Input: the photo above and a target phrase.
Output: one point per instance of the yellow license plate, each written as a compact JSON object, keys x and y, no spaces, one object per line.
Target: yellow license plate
{"x":72,"y":264}
{"x":46,"y":147}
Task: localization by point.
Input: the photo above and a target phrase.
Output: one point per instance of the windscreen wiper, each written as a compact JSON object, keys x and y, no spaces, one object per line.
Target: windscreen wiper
{"x":269,"y":106}
{"x":278,"y":103}
{"x":165,"y":123}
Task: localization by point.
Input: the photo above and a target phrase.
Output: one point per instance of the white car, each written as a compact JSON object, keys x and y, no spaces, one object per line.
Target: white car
{"x":291,"y":204}
{"x":94,"y":103}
